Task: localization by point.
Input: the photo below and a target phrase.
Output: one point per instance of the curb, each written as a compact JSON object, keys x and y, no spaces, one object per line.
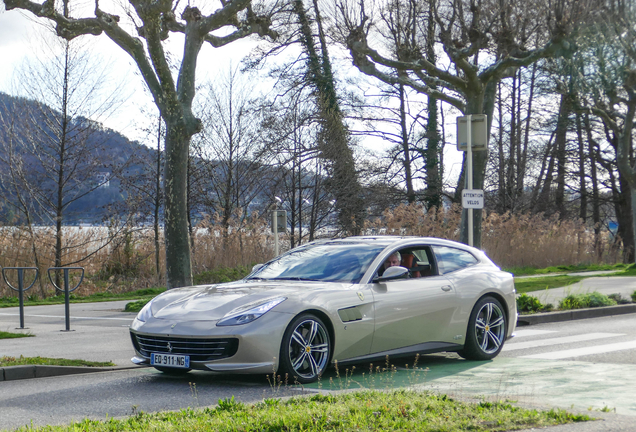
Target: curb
{"x":10,"y":373}
{"x":576,"y":314}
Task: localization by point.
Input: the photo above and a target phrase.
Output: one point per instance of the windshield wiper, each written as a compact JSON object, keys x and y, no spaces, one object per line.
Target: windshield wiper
{"x":295,"y":279}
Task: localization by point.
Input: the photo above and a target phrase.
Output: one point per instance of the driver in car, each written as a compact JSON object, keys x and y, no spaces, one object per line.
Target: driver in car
{"x":393,"y":260}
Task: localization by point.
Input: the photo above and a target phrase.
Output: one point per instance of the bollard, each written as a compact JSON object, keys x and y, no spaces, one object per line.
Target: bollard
{"x":67,"y":290}
{"x":20,"y":287}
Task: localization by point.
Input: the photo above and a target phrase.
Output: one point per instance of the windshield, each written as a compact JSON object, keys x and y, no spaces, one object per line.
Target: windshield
{"x":329,"y":262}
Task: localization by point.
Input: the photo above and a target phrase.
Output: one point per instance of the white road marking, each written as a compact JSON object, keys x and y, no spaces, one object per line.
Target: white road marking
{"x":579,"y":352}
{"x":528,"y":332}
{"x":513,"y":346}
{"x":72,"y":317}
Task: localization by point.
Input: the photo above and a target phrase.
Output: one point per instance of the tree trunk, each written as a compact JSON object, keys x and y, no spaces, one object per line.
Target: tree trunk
{"x":157,"y":200}
{"x":406,"y":148}
{"x":565,"y":108}
{"x":582,"y":158}
{"x":178,"y":264}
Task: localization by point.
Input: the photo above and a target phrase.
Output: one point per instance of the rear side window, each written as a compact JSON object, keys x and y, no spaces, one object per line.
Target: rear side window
{"x":450,"y":259}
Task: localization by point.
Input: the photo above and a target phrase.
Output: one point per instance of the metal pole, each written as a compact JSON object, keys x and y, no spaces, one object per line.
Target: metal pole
{"x":275,"y":221}
{"x":67,"y":301}
{"x":21,"y":296}
{"x":469,"y":173}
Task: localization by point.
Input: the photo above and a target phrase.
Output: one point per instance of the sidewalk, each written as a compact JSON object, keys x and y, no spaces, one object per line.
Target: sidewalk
{"x":99,"y":332}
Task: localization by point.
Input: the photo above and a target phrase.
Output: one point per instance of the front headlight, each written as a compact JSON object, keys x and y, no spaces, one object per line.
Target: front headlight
{"x":145,"y":312}
{"x":248,"y":313}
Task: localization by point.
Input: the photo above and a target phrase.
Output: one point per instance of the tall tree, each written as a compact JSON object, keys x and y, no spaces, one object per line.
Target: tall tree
{"x":57,"y":157}
{"x":154,"y":21}
{"x":611,"y":81}
{"x":343,"y":182}
{"x":482,"y":41}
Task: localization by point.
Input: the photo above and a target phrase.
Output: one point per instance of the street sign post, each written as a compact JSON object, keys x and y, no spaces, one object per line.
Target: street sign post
{"x":473,"y":198}
{"x":478,"y":132}
{"x":279,"y":224}
{"x":469,"y":140}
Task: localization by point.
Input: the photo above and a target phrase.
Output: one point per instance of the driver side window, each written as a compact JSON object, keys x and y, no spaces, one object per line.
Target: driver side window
{"x":418,"y":260}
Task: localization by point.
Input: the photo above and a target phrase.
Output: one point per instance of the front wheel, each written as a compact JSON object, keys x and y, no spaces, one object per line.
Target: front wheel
{"x":305,"y":349}
{"x":486,"y":332}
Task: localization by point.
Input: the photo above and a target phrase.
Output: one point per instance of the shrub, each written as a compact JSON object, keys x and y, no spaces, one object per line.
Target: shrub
{"x":581,"y":301}
{"x":597,"y":299}
{"x":573,"y":301}
{"x":527,"y":303}
{"x":634,"y":296}
{"x":530,"y":304}
{"x":618,"y":298}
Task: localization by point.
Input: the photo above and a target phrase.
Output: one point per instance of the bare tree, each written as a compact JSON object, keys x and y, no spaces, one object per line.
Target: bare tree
{"x":611,"y":85}
{"x":56,"y":156}
{"x":154,"y":22}
{"x":482,"y":42}
{"x":231,"y":157}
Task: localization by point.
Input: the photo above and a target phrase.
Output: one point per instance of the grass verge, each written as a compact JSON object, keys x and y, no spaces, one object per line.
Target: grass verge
{"x":23,"y":361}
{"x":360,"y":411}
{"x":531,"y":271}
{"x":146,"y":294}
{"x":9,"y":335}
{"x":548,"y":282}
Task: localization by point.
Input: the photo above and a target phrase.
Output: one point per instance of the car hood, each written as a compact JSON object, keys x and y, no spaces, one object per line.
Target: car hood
{"x":213,"y":302}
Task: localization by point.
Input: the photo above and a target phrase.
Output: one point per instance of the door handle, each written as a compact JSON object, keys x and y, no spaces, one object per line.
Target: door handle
{"x":447,"y":288}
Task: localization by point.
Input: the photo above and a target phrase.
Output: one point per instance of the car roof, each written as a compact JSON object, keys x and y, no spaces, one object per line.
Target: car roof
{"x":388,"y":240}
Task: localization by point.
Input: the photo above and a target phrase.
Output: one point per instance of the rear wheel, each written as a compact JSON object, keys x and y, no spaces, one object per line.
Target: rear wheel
{"x":486,"y":332}
{"x":305,"y":349}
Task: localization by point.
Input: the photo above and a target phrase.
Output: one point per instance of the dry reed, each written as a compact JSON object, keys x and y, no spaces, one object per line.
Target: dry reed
{"x":122,"y":258}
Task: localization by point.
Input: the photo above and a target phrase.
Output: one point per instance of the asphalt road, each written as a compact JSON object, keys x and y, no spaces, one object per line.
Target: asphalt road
{"x":585,"y":364}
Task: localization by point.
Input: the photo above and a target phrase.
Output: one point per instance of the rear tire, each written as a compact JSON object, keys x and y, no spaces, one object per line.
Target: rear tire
{"x":486,"y":331}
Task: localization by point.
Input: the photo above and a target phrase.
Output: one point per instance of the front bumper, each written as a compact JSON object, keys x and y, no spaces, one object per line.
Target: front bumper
{"x":258,"y":342}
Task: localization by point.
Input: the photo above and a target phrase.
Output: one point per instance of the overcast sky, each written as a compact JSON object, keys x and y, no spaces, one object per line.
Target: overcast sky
{"x":16,"y":44}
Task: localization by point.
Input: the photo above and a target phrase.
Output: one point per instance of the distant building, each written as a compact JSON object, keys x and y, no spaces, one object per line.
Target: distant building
{"x":103,"y":179}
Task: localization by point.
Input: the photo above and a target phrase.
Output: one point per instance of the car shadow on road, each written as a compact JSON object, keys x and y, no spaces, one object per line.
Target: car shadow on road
{"x":398,"y":373}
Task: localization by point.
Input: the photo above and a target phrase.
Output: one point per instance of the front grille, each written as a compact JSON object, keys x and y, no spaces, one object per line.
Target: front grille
{"x":199,"y":350}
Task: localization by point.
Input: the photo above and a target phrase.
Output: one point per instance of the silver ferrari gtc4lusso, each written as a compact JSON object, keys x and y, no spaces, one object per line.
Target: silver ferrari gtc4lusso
{"x":348,"y":300}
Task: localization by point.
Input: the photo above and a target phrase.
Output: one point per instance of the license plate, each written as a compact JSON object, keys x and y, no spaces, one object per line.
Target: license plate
{"x":170,"y":360}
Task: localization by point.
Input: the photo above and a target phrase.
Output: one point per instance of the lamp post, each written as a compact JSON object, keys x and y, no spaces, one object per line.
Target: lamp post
{"x":275,"y":225}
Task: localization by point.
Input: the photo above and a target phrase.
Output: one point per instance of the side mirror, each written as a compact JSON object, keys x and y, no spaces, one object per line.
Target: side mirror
{"x":393,"y":273}
{"x":257,"y":267}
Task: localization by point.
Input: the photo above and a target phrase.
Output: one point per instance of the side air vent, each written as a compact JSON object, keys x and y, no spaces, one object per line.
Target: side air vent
{"x":350,"y":314}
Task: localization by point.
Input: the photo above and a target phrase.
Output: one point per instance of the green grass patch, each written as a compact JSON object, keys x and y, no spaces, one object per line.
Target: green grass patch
{"x":531,"y":271}
{"x":22,"y":361}
{"x":222,"y":274}
{"x":8,"y":335}
{"x":136,"y":306}
{"x":360,"y":411}
{"x":146,"y":293}
{"x":548,"y":282}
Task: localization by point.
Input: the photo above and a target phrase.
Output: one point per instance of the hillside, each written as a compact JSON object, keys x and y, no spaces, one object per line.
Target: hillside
{"x":96,"y":161}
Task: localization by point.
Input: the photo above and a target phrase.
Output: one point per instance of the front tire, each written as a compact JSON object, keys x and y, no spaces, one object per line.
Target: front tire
{"x":486,"y":332}
{"x":305,"y":349}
